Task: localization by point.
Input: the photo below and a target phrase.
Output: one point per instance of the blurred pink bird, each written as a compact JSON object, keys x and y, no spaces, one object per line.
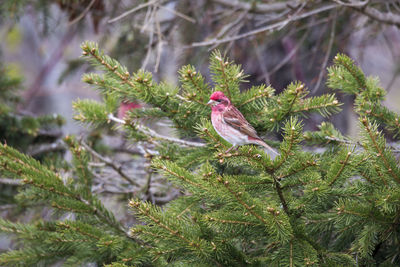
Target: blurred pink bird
{"x":125,"y":107}
{"x":231,"y":125}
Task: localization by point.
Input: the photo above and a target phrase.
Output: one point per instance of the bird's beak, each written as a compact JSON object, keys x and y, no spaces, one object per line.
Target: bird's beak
{"x":211,"y":103}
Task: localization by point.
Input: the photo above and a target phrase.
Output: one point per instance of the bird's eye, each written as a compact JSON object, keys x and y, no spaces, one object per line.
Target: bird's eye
{"x":218,"y":100}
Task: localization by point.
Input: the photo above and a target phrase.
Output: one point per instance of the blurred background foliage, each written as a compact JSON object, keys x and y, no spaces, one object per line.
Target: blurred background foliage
{"x":276,"y":42}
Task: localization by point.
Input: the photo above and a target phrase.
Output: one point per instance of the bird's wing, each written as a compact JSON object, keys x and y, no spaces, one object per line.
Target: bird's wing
{"x":235,"y":119}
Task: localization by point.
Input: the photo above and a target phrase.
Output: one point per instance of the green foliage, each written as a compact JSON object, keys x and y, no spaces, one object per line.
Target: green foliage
{"x":20,"y":130}
{"x":338,"y":207}
{"x":349,"y":78}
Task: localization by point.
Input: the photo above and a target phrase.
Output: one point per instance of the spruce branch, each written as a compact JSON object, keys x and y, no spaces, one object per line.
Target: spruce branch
{"x":258,"y":93}
{"x":185,"y":176}
{"x":212,"y":219}
{"x":325,"y":105}
{"x":304,"y":165}
{"x":380,"y":149}
{"x":91,"y":49}
{"x":222,"y":65}
{"x":145,"y":210}
{"x":343,"y":165}
{"x":293,"y":129}
{"x":237,"y":195}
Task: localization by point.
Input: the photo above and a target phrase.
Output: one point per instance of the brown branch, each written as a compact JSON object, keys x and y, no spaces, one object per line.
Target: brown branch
{"x":328,"y":52}
{"x":270,"y":27}
{"x":278,"y":189}
{"x":10,"y":181}
{"x":83,"y":14}
{"x":109,"y":162}
{"x":256,"y":7}
{"x":384,"y":17}
{"x":154,"y":134}
{"x":136,"y":8}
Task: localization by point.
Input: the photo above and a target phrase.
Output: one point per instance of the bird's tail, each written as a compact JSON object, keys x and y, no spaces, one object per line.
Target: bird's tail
{"x":271,"y":152}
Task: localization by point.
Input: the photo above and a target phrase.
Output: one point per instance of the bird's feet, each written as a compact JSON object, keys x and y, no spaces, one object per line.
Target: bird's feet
{"x":232,"y":147}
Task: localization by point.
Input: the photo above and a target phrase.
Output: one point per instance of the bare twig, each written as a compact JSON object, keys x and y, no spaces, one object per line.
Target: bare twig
{"x":8,"y":206}
{"x":290,"y":55}
{"x":159,"y":44}
{"x":151,"y":11}
{"x":78,"y":18}
{"x":45,"y":148}
{"x":110,"y":163}
{"x":156,"y":135}
{"x":10,"y":181}
{"x":328,"y":52}
{"x":352,"y":4}
{"x":358,"y":144}
{"x":257,"y":7}
{"x":384,"y":17}
{"x":261,"y":62}
{"x":270,"y":27}
{"x":132,"y":11}
{"x":179,"y":14}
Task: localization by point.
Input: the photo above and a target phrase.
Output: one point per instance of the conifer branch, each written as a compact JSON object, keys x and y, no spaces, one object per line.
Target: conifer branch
{"x":379,"y":150}
{"x":181,"y":177}
{"x":93,"y":51}
{"x":287,"y":152}
{"x":263,"y":94}
{"x":307,"y":164}
{"x":137,"y":206}
{"x":222,"y":69}
{"x":343,"y":165}
{"x":335,"y":103}
{"x":250,"y":209}
{"x":76,"y":229}
{"x":254,"y":183}
{"x":211,"y":219}
{"x":250,"y":157}
{"x":191,"y":75}
{"x":354,"y":71}
{"x":72,"y":209}
{"x":298,"y":91}
{"x":278,"y":189}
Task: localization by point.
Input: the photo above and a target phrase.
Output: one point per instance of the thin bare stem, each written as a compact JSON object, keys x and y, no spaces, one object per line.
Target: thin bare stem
{"x":270,"y":27}
{"x":154,"y":134}
{"x":109,"y":162}
{"x":328,"y":52}
{"x":132,"y":11}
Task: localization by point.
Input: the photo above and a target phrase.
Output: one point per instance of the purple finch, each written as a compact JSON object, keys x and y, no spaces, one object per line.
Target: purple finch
{"x":231,"y":125}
